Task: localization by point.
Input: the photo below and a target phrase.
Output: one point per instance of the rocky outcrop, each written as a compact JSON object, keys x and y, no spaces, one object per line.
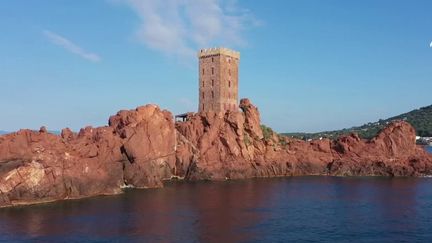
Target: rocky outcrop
{"x":393,"y":152}
{"x":137,"y":149}
{"x":39,"y":166}
{"x":232,"y":145}
{"x":149,"y":143}
{"x":143,"y":147}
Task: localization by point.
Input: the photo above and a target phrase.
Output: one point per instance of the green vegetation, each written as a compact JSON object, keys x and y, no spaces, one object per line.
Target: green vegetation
{"x":420,"y":119}
{"x":282,"y":141}
{"x":267,"y":132}
{"x":247,"y":140}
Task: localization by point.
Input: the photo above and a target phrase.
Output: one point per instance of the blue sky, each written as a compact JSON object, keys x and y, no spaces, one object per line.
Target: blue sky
{"x":309,"y":65}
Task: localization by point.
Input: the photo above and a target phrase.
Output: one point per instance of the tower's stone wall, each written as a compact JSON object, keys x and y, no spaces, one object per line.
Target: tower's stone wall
{"x":218,"y":79}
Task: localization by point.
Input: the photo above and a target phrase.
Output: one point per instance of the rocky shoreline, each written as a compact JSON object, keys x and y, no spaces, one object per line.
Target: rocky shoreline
{"x":143,"y":147}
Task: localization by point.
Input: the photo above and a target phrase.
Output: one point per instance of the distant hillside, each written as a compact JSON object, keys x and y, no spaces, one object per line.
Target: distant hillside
{"x":420,"y":119}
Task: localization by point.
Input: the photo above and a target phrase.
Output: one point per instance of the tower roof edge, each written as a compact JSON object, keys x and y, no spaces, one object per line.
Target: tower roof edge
{"x":218,"y":50}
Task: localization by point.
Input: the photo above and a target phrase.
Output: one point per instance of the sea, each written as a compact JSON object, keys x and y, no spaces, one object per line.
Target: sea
{"x":291,"y":209}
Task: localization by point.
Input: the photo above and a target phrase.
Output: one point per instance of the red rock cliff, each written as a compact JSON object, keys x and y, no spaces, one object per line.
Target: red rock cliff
{"x":232,"y":145}
{"x":143,"y":147}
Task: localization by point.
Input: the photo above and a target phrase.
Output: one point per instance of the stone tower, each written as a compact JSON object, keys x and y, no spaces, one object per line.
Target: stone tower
{"x":218,"y":79}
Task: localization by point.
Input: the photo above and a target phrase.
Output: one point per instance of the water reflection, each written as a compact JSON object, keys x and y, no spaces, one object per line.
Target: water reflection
{"x":303,"y":208}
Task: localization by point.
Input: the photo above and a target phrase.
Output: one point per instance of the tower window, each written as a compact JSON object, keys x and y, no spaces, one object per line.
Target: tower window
{"x":212,"y":82}
{"x":229,"y":84}
{"x":202,"y":95}
{"x":213,"y":94}
{"x":203,"y":71}
{"x":212,"y":70}
{"x":212,"y":59}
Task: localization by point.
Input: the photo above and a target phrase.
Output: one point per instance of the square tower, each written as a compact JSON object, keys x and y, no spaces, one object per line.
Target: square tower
{"x":218,"y":79}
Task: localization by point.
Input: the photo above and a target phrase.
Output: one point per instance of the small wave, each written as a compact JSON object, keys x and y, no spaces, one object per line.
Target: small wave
{"x":124,"y":186}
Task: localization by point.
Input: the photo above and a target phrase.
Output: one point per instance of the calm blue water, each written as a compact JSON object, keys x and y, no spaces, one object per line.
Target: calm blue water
{"x":325,"y":209}
{"x":429,"y":149}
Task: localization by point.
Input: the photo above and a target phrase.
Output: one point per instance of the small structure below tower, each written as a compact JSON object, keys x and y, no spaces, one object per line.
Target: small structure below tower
{"x":218,"y":79}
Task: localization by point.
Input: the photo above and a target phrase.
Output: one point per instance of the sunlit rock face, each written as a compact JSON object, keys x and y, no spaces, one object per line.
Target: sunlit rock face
{"x":143,"y":147}
{"x":136,"y":150}
{"x":39,"y":166}
{"x":232,"y":145}
{"x":148,"y":142}
{"x":393,"y":152}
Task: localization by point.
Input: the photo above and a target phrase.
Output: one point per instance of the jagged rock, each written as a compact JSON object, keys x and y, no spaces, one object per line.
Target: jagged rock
{"x":67,"y":134}
{"x":252,"y":119}
{"x":144,"y":147}
{"x":43,"y":129}
{"x":393,"y":152}
{"x":231,"y":145}
{"x":149,"y":141}
{"x":39,"y":167}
